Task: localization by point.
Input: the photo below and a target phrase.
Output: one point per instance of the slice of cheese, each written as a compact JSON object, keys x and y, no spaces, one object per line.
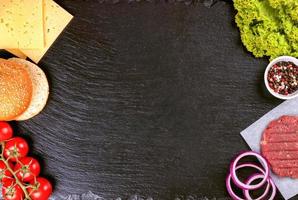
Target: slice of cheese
{"x":55,"y":21}
{"x":17,"y":53}
{"x":21,"y":24}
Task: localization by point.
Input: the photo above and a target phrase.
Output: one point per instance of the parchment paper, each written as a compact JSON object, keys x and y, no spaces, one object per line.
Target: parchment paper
{"x":252,"y":135}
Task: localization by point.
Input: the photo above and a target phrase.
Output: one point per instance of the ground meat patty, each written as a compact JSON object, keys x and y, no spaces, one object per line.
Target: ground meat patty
{"x":279,"y":145}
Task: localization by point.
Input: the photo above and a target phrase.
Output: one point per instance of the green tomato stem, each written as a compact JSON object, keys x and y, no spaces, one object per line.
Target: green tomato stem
{"x":18,"y":182}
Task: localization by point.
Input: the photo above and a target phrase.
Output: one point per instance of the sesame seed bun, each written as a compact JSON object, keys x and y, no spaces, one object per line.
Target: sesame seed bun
{"x":40,"y":91}
{"x":15,"y":90}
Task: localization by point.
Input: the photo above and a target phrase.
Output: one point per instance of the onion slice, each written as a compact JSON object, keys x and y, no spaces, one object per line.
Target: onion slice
{"x":228,"y":180}
{"x":236,"y":179}
{"x":260,"y":176}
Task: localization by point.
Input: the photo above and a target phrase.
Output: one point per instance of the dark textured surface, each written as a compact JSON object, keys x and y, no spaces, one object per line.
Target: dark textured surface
{"x":146,"y":99}
{"x":207,"y":3}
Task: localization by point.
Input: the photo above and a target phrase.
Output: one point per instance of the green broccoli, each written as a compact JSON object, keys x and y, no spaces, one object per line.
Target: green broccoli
{"x":268,"y":27}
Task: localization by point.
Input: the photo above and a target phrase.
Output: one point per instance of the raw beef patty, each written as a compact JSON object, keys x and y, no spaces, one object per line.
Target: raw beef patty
{"x":279,"y":145}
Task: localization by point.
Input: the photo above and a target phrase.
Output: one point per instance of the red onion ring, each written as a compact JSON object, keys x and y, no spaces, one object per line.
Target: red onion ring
{"x":236,"y":179}
{"x":228,"y":180}
{"x":259,"y":176}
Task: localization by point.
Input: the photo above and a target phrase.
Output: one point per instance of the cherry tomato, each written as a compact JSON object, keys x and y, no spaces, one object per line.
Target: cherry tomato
{"x":41,"y":189}
{"x":12,"y":191}
{"x":5,"y":174}
{"x":15,"y":148}
{"x":27,"y":169}
{"x":5,"y":131}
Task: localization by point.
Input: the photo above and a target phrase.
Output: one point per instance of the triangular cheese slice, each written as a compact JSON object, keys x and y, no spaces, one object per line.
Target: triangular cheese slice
{"x":55,"y":20}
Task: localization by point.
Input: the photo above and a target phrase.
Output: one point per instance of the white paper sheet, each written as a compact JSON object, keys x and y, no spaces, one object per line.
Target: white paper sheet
{"x":252,"y":135}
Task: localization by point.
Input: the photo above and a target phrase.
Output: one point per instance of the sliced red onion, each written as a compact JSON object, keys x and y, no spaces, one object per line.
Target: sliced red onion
{"x":269,"y":180}
{"x":236,"y":179}
{"x":228,"y":179}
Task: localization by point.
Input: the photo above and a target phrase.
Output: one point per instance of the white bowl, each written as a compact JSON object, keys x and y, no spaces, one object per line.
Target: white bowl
{"x":276,"y":60}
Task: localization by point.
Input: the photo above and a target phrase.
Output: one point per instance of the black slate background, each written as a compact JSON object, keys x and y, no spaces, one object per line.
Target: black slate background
{"x":147,"y":99}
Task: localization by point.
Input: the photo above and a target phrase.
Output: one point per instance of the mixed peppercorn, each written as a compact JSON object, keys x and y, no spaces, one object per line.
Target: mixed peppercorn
{"x":283,"y":77}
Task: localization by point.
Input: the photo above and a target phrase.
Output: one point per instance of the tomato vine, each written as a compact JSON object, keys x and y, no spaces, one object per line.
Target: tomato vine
{"x":19,"y":173}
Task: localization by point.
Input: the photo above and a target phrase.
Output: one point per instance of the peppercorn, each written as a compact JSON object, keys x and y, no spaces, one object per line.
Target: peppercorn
{"x":283,"y":77}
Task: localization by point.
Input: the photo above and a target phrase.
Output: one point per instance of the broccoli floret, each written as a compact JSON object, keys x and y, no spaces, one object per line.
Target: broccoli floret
{"x":268,"y":27}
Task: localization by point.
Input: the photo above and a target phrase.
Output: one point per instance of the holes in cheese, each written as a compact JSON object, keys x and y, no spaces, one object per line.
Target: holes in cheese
{"x":55,"y":21}
{"x":21,"y":24}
